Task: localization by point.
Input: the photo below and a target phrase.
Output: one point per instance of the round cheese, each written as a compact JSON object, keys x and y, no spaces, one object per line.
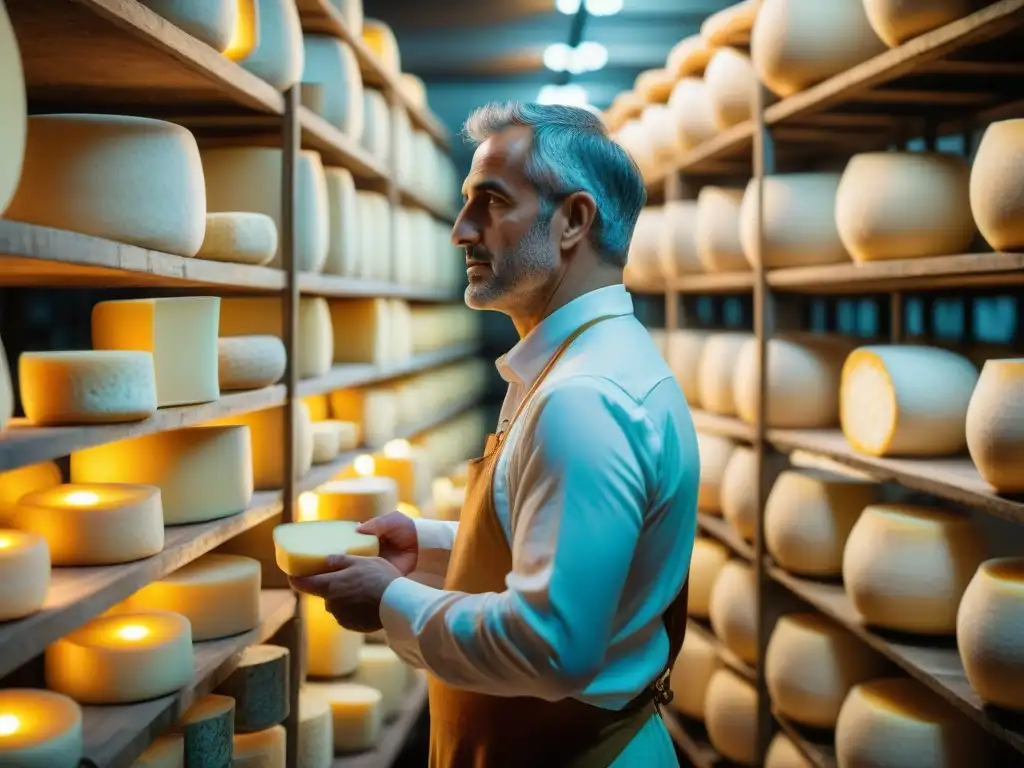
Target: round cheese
{"x":374,"y":228}
{"x":316,"y":731}
{"x":678,"y":240}
{"x":357,"y":715}
{"x":239,"y":237}
{"x":997,"y":204}
{"x":376,"y":135}
{"x":414,"y":89}
{"x":352,"y":12}
{"x":331,"y":650}
{"x":302,"y":549}
{"x":259,"y":686}
{"x":380,"y":668}
{"x":904,"y":205}
{"x":683,"y":354}
{"x":6,"y":391}
{"x":994,"y":437}
{"x":988,"y":634}
{"x":97,"y":524}
{"x":246,"y":32}
{"x":810,"y":665}
{"x":732,"y":25}
{"x":896,"y":21}
{"x":654,"y":85}
{"x":706,"y":562}
{"x":689,"y":56}
{"x":212,"y":21}
{"x":208,"y":728}
{"x":168,"y":751}
{"x":24,"y":575}
{"x":658,"y":124}
{"x":644,"y":265}
{"x":690,"y":102}
{"x":328,"y":436}
{"x":249,"y":362}
{"x":15,"y":483}
{"x":262,"y":749}
{"x":357,"y":499}
{"x":13,"y":122}
{"x":262,"y":316}
{"x":732,"y":87}
{"x":40,"y":729}
{"x":715,"y":452}
{"x":718,"y":230}
{"x":906,"y":567}
{"x":783,"y":753}
{"x":131,"y":179}
{"x":809,"y":515}
{"x":277,"y":54}
{"x":382,"y":41}
{"x":343,"y":223}
{"x":331,"y":65}
{"x":730,"y":714}
{"x":905,"y":400}
{"x":717,"y":366}
{"x":266,"y":429}
{"x":739,"y":486}
{"x":691,"y":674}
{"x":733,"y":609}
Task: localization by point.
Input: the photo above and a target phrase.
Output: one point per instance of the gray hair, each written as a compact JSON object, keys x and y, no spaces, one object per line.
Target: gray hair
{"x":572,"y":152}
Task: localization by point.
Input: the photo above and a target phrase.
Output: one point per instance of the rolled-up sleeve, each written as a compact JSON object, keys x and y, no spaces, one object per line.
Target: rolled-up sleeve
{"x":579,"y":472}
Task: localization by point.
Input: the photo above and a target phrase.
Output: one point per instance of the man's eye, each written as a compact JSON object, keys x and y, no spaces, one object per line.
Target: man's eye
{"x":494,"y":200}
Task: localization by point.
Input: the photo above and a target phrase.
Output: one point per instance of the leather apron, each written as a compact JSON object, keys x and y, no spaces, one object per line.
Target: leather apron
{"x":474,"y":730}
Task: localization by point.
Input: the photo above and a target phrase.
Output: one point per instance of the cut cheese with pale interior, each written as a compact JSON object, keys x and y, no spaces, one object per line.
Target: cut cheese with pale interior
{"x":303,"y":549}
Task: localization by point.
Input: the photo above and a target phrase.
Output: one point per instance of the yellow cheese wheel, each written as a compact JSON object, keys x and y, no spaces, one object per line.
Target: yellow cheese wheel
{"x":168,"y":751}
{"x":331,"y":65}
{"x":41,"y":729}
{"x":715,"y":452}
{"x":362,"y":331}
{"x":995,"y":187}
{"x":738,"y":494}
{"x":250,"y":362}
{"x":691,"y":674}
{"x":896,"y":21}
{"x":303,"y":548}
{"x":414,"y":89}
{"x":316,"y":731}
{"x":15,"y":483}
{"x":689,"y":56}
{"x":691,"y":104}
{"x":24,"y":574}
{"x":356,"y":714}
{"x":383,"y":43}
{"x":252,"y":316}
{"x":783,"y":753}
{"x":644,"y":264}
{"x":732,"y":87}
{"x":212,"y":21}
{"x":706,"y":563}
{"x":266,"y":430}
{"x":683,"y":352}
{"x":994,"y":437}
{"x":678,"y":240}
{"x":13,"y":123}
{"x":730,"y":714}
{"x":732,"y":25}
{"x":331,"y":650}
{"x":718,"y":230}
{"x":654,"y":85}
{"x":356,"y":499}
{"x":277,"y":54}
{"x":239,"y":237}
{"x":733,"y":609}
{"x":261,"y":749}
{"x":718,"y":363}
{"x":343,"y":223}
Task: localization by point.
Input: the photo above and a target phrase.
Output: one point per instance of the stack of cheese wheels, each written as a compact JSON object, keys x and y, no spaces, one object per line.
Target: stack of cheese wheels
{"x":991,"y":610}
{"x":810,"y":665}
{"x":706,"y":562}
{"x":330,"y":66}
{"x":690,"y":56}
{"x":732,"y":87}
{"x":658,"y":124}
{"x":905,"y":400}
{"x":51,"y":736}
{"x":995,"y":190}
{"x":380,"y":668}
{"x":906,"y":567}
{"x":691,"y":673}
{"x":15,"y":483}
{"x":783,"y":753}
{"x":166,"y":751}
{"x":24,"y":573}
{"x":994,"y":437}
{"x":376,"y":135}
{"x":644,"y":265}
{"x":895,"y":22}
{"x":718,"y":362}
{"x":266,"y":430}
{"x":94,"y":174}
{"x":904,"y":205}
{"x":898,"y":723}
{"x":799,"y":223}
{"x":343,"y":224}
{"x":804,"y":371}
{"x":259,"y":686}
{"x":715,"y":452}
{"x":356,"y":499}
{"x":275,"y":54}
{"x":240,"y":237}
{"x":738,"y":495}
{"x":798,"y":43}
{"x":382,"y":41}
{"x":678,"y":247}
{"x":207,"y":728}
{"x":250,"y":362}
{"x":654,"y":85}
{"x":733,"y":609}
{"x":374,"y":216}
{"x":730,"y":714}
{"x":13,"y":121}
{"x":357,"y":714}
{"x":262,"y":316}
{"x":331,"y":650}
{"x":690,"y":102}
{"x":260,"y":749}
{"x":809,"y":515}
{"x":732,"y":25}
{"x":683,"y":353}
{"x":316,"y":731}
{"x":212,"y":21}
{"x":718,"y":230}
{"x":436,"y":326}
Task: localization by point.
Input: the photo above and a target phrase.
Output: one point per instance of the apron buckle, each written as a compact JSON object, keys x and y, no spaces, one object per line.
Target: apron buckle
{"x":662,"y":692}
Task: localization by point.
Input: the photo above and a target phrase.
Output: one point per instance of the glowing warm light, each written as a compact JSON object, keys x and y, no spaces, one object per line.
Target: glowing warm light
{"x":364,"y":465}
{"x":397,"y":449}
{"x":6,"y":541}
{"x":410,"y":510}
{"x":82,"y":498}
{"x":132,"y":632}
{"x":9,"y":724}
{"x":307,"y":506}
{"x":243,"y":39}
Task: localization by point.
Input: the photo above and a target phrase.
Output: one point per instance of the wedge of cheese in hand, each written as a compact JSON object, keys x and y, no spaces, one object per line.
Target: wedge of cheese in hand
{"x":302,"y":549}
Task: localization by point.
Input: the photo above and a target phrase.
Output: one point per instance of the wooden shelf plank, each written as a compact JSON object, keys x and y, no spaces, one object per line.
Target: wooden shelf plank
{"x":691,"y":739}
{"x":717,"y":528}
{"x":935,"y":663}
{"x":43,"y":256}
{"x":814,"y":747}
{"x":116,"y":735}
{"x":78,"y":594}
{"x":22,"y":444}
{"x":336,"y":148}
{"x":395,"y":734}
{"x":952,"y":478}
{"x":718,"y":282}
{"x":735,"y":143}
{"x":350,"y":287}
{"x":726,"y":426}
{"x":414,"y":198}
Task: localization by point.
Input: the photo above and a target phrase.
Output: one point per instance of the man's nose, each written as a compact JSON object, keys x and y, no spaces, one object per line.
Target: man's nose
{"x":465,"y":232}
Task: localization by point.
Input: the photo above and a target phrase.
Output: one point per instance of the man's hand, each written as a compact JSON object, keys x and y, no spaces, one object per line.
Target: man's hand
{"x":399,"y":544}
{"x":353,"y":590}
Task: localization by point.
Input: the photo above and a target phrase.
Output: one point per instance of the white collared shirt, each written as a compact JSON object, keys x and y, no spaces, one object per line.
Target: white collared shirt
{"x":596,"y":489}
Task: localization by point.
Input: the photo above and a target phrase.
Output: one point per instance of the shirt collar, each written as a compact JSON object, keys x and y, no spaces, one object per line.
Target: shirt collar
{"x":524,"y":362}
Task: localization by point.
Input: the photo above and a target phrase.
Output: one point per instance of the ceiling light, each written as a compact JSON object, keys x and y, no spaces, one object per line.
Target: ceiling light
{"x":594,"y":7}
{"x":568,"y":95}
{"x":587,"y":57}
{"x":568,"y":7}
{"x":556,"y":57}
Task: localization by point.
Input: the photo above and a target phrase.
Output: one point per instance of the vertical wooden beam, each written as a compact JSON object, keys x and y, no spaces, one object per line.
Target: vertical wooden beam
{"x":673,"y":192}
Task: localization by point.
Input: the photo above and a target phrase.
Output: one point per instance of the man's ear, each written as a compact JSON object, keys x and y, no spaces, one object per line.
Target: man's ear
{"x":580,"y":212}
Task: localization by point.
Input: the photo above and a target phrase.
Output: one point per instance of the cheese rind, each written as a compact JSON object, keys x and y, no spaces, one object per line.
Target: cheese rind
{"x":277,"y":57}
{"x":996,"y":203}
{"x":718,"y":230}
{"x":683,"y":353}
{"x":15,"y":483}
{"x":250,"y":362}
{"x":167,"y":751}
{"x":53,"y":738}
{"x":13,"y":123}
{"x":783,"y":753}
{"x":331,"y":650}
{"x":706,"y":563}
{"x":303,"y":548}
{"x":730,"y":713}
{"x":331,"y":64}
{"x":995,"y":435}
{"x":262,"y":749}
{"x":356,"y":499}
{"x":263,"y":317}
{"x":733,"y":609}
{"x":24,"y":573}
{"x":895,"y":21}
{"x":316,"y":731}
{"x":266,"y":429}
{"x":715,"y":452}
{"x":739,"y":488}
{"x":732,"y":87}
{"x":691,"y":674}
{"x":717,"y":366}
{"x":380,"y":668}
{"x":343,"y":223}
{"x":259,"y":686}
{"x":208,"y":728}
{"x":356,"y":715}
{"x":212,"y":21}
{"x":239,"y":237}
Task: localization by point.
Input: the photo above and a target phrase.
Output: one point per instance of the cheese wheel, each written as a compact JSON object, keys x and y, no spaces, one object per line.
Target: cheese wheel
{"x":733,"y":609}
{"x":277,"y":55}
{"x":795,"y":44}
{"x":168,"y":751}
{"x":245,"y":35}
{"x":691,"y":674}
{"x":239,"y":237}
{"x":249,"y":179}
{"x":15,"y":483}
{"x":6,"y":391}
{"x":414,"y":89}
{"x":645,"y":266}
{"x":904,"y":205}
{"x":382,"y":41}
{"x":262,"y":749}
{"x":375,"y":409}
{"x":121,"y":659}
{"x":212,"y":21}
{"x":896,"y":21}
{"x":783,"y":753}
{"x":898,"y":723}
{"x":997,"y":203}
{"x":54,"y":738}
{"x":715,"y":452}
{"x":808,"y":516}
{"x":266,"y":429}
{"x":988,"y":635}
{"x":261,"y":316}
{"x":718,"y":230}
{"x":259,"y":686}
{"x":799,"y":223}
{"x":24,"y":575}
{"x":738,"y":494}
{"x":258,"y":543}
{"x":357,"y":499}
{"x":684,"y":349}
{"x":732,"y":25}
{"x":13,"y":123}
{"x":356,"y":715}
{"x":658,"y":124}
{"x":730,"y":714}
{"x":203,"y":473}
{"x":208,"y":728}
{"x":332,"y":65}
{"x":250,"y":362}
{"x":654,"y":85}
{"x":373,"y":212}
{"x":810,"y":665}
{"x":318,"y":406}
{"x":678,"y":249}
{"x":732,"y":87}
{"x":906,"y":567}
{"x":995,"y":437}
{"x":689,"y":56}
{"x":362,"y":331}
{"x":717,"y":366}
{"x":905,"y":400}
{"x":303,"y":548}
{"x":343,"y":227}
{"x":331,"y":650}
{"x":180,"y":333}
{"x":376,"y":134}
{"x":380,"y":668}
{"x":316,"y":731}
{"x":352,"y":12}
{"x":97,"y":524}
{"x":690,"y":102}
{"x":411,"y":470}
{"x":327,"y":439}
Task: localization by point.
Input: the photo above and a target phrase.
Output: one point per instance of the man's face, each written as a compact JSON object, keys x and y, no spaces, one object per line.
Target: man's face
{"x":511,"y":255}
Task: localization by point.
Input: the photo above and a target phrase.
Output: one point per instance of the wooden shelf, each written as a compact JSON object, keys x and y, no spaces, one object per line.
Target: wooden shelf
{"x":726,"y":426}
{"x":351,"y":287}
{"x":395,"y":734}
{"x":78,"y":594}
{"x":336,"y":148}
{"x":814,"y":746}
{"x":727,"y":153}
{"x":717,"y":282}
{"x":691,"y":739}
{"x":954,"y":478}
{"x":116,"y":735}
{"x":717,"y":528}
{"x":21,"y":444}
{"x":730,"y":659}
{"x":414,"y":198}
{"x":936,"y":663}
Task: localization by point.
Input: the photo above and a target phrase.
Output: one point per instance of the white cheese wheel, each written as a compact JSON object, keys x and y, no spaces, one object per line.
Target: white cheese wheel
{"x":249,"y":179}
{"x":357,"y":715}
{"x":678,"y":240}
{"x":54,"y":739}
{"x":997,"y":202}
{"x":809,"y":515}
{"x":24,"y":575}
{"x":302,"y":549}
{"x":689,"y":56}
{"x":130,"y":179}
{"x":644,"y":267}
{"x":122,"y":658}
{"x":15,"y":483}
{"x":251,"y":316}
{"x":376,"y":134}
{"x":732,"y":87}
{"x":799,"y":220}
{"x":715,"y":452}
{"x":717,"y":364}
{"x":316,"y":731}
{"x":262,"y":749}
{"x":203,"y":473}
{"x":239,"y":237}
{"x":810,"y":665}
{"x":356,"y":499}
{"x":331,"y":650}
{"x":798,"y":43}
{"x":167,"y":751}
{"x":691,"y":674}
{"x":180,"y":333}
{"x":658,"y":124}
{"x":382,"y":41}
{"x":87,"y":387}
{"x":654,"y":85}
{"x":783,"y":753}
{"x":730,"y":714}
{"x":212,"y":21}
{"x":906,"y":567}
{"x":738,"y":495}
{"x":328,"y":437}
{"x":331,"y":64}
{"x":706,"y":562}
{"x":896,"y":21}
{"x":277,"y":55}
{"x":343,"y":223}
{"x":995,"y":429}
{"x":690,"y":102}
{"x":904,"y":205}
{"x":898,"y":723}
{"x":374,"y":214}
{"x":352,"y":12}
{"x":95,"y":524}
{"x":414,"y":89}
{"x":13,"y":122}
{"x":218,"y":594}
{"x":250,"y":362}
{"x":683,"y":354}
{"x":718,"y":230}
{"x":208,"y":728}
{"x":362,"y":331}
{"x":732,"y":25}
{"x":733,"y":609}
{"x":266,"y":429}
{"x":374,"y":409}
{"x":6,"y":393}
{"x":988,"y":632}
{"x":380,"y":668}
{"x":905,"y":400}
{"x":259,"y":686}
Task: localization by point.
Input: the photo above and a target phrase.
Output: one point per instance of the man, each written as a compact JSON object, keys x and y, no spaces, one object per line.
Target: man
{"x":565,"y":575}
